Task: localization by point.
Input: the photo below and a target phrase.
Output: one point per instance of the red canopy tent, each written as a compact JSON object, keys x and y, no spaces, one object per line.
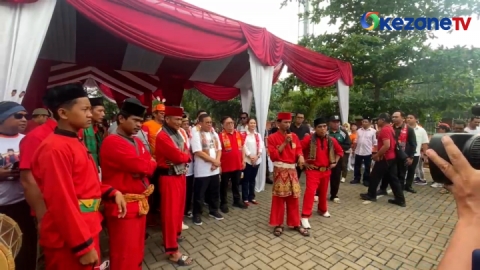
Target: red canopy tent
{"x":137,"y":47}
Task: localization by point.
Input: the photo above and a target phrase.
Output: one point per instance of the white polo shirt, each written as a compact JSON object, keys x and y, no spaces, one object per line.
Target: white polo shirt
{"x":421,"y":137}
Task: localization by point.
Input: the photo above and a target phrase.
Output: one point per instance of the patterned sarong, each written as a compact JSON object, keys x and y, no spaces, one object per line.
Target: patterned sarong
{"x":285,"y":180}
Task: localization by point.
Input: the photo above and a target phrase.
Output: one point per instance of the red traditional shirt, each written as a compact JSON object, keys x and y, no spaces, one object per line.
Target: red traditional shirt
{"x":67,"y":173}
{"x":290,"y":153}
{"x":167,"y":150}
{"x":126,"y":166}
{"x":321,"y":157}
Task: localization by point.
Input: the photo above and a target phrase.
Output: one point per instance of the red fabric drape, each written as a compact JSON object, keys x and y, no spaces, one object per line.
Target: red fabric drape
{"x":37,"y":86}
{"x":172,"y":90}
{"x":267,"y":47}
{"x":215,"y":92}
{"x":19,"y":1}
{"x":316,"y":69}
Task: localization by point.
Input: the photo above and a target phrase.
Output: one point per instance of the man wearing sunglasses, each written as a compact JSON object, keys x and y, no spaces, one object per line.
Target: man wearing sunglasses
{"x":12,"y":199}
{"x":243,"y":125}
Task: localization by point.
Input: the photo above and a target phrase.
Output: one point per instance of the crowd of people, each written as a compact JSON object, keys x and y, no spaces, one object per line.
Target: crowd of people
{"x":70,"y":171}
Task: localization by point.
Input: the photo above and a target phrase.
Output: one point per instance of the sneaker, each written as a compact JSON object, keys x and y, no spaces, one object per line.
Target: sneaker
{"x":216,"y":215}
{"x":326,"y":214}
{"x":240,"y":205}
{"x":315,"y":199}
{"x":355,"y":182}
{"x":197,"y":220}
{"x":366,"y":197}
{"x":189,"y":214}
{"x":184,"y":227}
{"x":381,"y":192}
{"x":305,"y":223}
{"x":420,"y":182}
{"x":436,"y":185}
{"x":342,"y":180}
{"x":336,"y":200}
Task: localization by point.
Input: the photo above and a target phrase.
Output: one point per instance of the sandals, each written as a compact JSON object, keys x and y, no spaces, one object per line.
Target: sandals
{"x":278,"y":231}
{"x":184,"y":260}
{"x":302,"y":231}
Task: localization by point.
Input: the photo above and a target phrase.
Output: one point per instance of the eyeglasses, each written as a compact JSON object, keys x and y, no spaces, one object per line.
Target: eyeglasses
{"x":19,"y":116}
{"x":243,"y":117}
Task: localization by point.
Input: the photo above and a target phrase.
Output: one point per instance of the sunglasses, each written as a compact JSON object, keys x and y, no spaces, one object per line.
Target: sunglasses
{"x":19,"y":116}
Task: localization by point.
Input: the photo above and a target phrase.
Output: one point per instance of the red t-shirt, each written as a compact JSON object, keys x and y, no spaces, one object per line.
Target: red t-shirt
{"x":386,"y":133}
{"x":31,"y":125}
{"x":232,"y":159}
{"x":31,"y":142}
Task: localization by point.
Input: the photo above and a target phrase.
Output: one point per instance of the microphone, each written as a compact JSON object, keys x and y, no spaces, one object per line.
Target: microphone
{"x":288,"y":133}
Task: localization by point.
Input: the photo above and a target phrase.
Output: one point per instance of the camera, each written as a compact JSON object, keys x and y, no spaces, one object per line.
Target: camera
{"x":469,"y":145}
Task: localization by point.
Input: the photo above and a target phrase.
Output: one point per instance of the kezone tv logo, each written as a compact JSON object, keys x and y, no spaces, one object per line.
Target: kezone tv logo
{"x":410,"y":24}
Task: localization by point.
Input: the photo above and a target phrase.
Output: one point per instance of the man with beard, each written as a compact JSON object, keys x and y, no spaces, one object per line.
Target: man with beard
{"x":407,"y":142}
{"x":93,"y":136}
{"x":126,"y":166}
{"x":172,"y":162}
{"x":323,"y":153}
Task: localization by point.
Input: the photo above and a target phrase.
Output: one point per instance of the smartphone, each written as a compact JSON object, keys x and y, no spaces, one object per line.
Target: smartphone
{"x":476,"y":259}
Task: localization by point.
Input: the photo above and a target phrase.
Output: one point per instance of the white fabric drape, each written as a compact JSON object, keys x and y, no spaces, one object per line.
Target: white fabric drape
{"x":262,"y":77}
{"x":22,"y":30}
{"x":246,"y":96}
{"x":343,"y":103}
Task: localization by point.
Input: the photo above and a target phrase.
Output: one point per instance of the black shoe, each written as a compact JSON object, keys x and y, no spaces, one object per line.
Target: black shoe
{"x":240,"y":205}
{"x":197,"y":220}
{"x":381,"y":192}
{"x":366,"y":184}
{"x":410,"y":189}
{"x":216,"y":215}
{"x":355,"y":182}
{"x":366,"y":197}
{"x":269,"y":181}
{"x":394,"y":201}
{"x":224,"y":208}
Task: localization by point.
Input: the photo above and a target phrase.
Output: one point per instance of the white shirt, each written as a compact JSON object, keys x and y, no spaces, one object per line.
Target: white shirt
{"x":242,"y":128}
{"x":421,"y":137}
{"x":250,"y":147}
{"x":366,"y":139}
{"x":10,"y":191}
{"x":203,"y":168}
{"x":472,"y":131}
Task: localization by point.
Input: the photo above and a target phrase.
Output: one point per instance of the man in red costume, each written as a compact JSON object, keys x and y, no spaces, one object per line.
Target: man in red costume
{"x":323,"y":153}
{"x":68,"y":178}
{"x":284,"y":149}
{"x":126,"y":166}
{"x":172,"y":156}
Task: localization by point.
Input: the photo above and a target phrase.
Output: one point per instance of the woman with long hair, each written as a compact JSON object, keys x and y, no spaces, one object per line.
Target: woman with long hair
{"x":253,"y":148}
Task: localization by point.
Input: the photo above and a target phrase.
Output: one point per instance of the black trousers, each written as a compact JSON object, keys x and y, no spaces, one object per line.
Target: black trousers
{"x":345,"y":158}
{"x":155,"y":198}
{"x":386,"y":170}
{"x":401,"y":173}
{"x":299,"y":172}
{"x":411,"y":172}
{"x":206,"y":189}
{"x":335,"y":178}
{"x":248,"y":182}
{"x":225,"y":178}
{"x":189,"y":195}
{"x":357,"y":169}
{"x":20,"y":212}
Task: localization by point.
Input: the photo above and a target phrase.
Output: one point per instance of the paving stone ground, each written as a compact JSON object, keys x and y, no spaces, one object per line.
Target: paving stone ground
{"x":357,"y":236}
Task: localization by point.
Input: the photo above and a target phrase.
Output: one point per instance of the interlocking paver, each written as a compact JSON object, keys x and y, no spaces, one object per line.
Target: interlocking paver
{"x":357,"y":236}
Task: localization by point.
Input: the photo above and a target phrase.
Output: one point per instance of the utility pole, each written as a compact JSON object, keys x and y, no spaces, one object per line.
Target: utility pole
{"x":304,"y":22}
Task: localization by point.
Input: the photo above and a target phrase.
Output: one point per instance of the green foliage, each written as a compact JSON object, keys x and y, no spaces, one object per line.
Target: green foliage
{"x":392,"y":69}
{"x":193,"y":101}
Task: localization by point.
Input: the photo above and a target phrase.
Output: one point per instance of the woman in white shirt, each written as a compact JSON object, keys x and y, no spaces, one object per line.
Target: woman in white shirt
{"x":253,"y":148}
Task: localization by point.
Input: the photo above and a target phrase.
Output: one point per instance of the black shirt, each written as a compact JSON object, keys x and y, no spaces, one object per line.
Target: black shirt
{"x":300,"y":131}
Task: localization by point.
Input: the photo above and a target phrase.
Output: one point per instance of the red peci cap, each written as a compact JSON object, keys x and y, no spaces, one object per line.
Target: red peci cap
{"x":173,"y":111}
{"x":284,"y":116}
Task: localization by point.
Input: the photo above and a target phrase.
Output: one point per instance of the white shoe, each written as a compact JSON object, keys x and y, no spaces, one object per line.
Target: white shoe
{"x":336,"y":200}
{"x":315,"y":199}
{"x":184,"y":227}
{"x":305,"y":223}
{"x":436,"y":185}
{"x":343,"y":180}
{"x":326,"y":214}
{"x":389,"y":192}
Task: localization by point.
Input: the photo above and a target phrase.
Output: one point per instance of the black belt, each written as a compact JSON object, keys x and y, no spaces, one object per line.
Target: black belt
{"x":166,"y":172}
